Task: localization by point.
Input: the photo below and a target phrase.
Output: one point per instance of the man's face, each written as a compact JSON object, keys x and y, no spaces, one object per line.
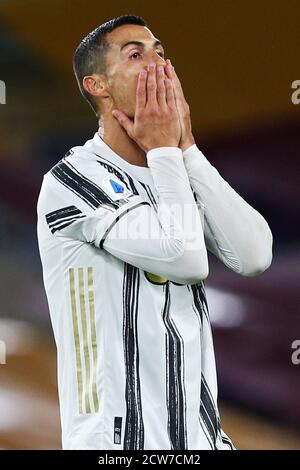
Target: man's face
{"x":132,"y":48}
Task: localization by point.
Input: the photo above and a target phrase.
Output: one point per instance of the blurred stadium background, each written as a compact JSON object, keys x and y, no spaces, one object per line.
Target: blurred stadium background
{"x":237,"y":61}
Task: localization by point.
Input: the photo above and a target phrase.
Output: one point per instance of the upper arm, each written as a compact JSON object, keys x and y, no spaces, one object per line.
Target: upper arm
{"x":72,"y":195}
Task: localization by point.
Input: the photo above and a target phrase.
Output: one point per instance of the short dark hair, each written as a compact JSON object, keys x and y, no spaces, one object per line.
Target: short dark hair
{"x":89,"y":57}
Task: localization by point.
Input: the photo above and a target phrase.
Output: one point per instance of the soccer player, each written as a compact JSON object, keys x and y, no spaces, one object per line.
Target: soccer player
{"x":124,"y":224}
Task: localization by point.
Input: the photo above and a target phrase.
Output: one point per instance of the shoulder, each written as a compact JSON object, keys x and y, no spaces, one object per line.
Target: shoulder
{"x":85,"y":179}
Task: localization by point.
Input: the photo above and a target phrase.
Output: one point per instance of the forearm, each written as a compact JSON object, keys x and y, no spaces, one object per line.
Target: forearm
{"x":174,"y":246}
{"x":235,"y":231}
{"x":165,"y":242}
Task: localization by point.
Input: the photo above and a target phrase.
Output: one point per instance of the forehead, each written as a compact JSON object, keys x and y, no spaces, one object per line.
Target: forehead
{"x":129,"y":32}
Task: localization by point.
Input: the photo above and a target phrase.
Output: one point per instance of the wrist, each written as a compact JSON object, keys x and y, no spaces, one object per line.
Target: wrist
{"x":163,"y":145}
{"x":187,"y":143}
{"x":164,"y":151}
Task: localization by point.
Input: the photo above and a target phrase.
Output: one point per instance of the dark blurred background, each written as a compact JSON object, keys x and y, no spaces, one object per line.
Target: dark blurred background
{"x":237,"y":61}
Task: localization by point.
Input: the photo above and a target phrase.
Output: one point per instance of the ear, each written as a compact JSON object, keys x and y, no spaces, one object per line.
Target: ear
{"x":96,"y":85}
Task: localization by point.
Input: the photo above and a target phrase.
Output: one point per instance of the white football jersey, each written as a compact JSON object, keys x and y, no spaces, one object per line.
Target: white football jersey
{"x":136,"y":365}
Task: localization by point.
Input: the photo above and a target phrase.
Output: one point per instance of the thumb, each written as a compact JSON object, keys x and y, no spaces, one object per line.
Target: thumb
{"x":123,"y":120}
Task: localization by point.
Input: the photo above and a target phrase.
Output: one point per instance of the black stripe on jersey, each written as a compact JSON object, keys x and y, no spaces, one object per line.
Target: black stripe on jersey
{"x":194,"y":194}
{"x":201,"y":290}
{"x":208,"y":415}
{"x":209,"y":429}
{"x":69,"y":152}
{"x":206,"y":433}
{"x":62,"y":213}
{"x":227,"y":441}
{"x":118,"y":218}
{"x":134,"y":425}
{"x":119,"y":172}
{"x":61,"y":218}
{"x":213,"y":413}
{"x":199,"y":298}
{"x":176,"y":400}
{"x":86,"y":189}
{"x":66,"y":224}
{"x":149,"y":194}
{"x":208,"y":412}
{"x":152,"y":195}
{"x":204,"y":419}
{"x":196,"y":304}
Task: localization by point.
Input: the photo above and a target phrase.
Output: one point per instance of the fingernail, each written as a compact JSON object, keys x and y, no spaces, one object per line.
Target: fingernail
{"x":152,"y":66}
{"x":115,"y":114}
{"x":142,"y":73}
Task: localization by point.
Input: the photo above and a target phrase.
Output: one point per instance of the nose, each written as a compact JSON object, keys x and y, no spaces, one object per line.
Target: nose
{"x":156,"y":58}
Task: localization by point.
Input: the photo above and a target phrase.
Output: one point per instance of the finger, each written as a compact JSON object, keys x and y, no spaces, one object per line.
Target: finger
{"x":124,"y":121}
{"x":170,"y":74}
{"x":178,"y":92}
{"x":179,"y":97}
{"x":168,"y":69}
{"x":175,"y":77}
{"x":170,"y":96}
{"x":151,"y":84}
{"x":141,"y":92}
{"x":161,"y":88}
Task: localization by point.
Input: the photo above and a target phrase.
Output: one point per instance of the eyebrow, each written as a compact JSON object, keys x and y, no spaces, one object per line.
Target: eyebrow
{"x":139,"y":43}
